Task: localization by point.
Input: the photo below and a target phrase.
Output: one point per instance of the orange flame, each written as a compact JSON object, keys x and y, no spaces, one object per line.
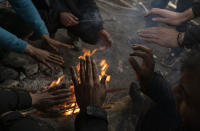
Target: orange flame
{"x":73,"y":108}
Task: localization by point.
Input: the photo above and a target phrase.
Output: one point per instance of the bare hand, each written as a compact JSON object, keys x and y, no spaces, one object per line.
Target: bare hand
{"x":161,"y":36}
{"x":45,"y":100}
{"x":144,"y":71}
{"x":168,"y":17}
{"x":106,"y":38}
{"x":44,"y":56}
{"x":56,"y":44}
{"x":90,"y":91}
{"x":68,"y":19}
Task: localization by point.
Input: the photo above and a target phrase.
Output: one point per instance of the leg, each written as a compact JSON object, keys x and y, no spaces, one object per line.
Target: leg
{"x":88,"y":31}
{"x":159,"y":4}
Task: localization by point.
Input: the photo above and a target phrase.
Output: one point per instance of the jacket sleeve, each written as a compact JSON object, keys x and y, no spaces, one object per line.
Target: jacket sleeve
{"x":159,"y":91}
{"x":12,"y":101}
{"x":59,"y":5}
{"x":11,"y":42}
{"x":85,"y":122}
{"x":26,"y":10}
{"x":191,"y":37}
{"x":196,"y":8}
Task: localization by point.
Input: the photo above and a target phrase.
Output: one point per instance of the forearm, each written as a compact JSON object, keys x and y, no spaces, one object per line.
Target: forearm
{"x":11,"y":42}
{"x":12,"y":101}
{"x":29,"y":14}
{"x":159,"y":91}
{"x":191,"y":37}
{"x":187,"y":15}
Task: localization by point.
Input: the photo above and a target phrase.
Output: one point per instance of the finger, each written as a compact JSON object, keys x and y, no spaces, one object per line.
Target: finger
{"x":95,"y":72}
{"x":74,"y":17}
{"x":156,"y":11}
{"x":54,"y":61}
{"x":135,"y":65}
{"x":61,"y":91}
{"x":57,"y":102}
{"x":148,"y":35}
{"x":152,"y":30}
{"x":73,"y":21}
{"x":151,"y":40}
{"x":89,"y":75}
{"x":74,"y":77}
{"x":82,"y":71}
{"x":54,"y":47}
{"x":60,"y":44}
{"x":142,"y":55}
{"x":56,"y":56}
{"x":103,"y":82}
{"x":142,"y":48}
{"x":161,"y":20}
{"x":48,"y":65}
{"x":63,"y":96}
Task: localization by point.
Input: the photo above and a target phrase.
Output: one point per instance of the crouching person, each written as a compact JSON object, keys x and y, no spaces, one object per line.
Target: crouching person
{"x":176,"y":108}
{"x":81,"y":18}
{"x":13,"y":101}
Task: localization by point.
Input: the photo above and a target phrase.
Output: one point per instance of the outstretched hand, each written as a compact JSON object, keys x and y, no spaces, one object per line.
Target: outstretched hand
{"x":46,"y":100}
{"x":144,"y":71}
{"x":106,"y":38}
{"x":44,"y":56}
{"x":168,"y":17}
{"x":162,"y":36}
{"x":90,"y":90}
{"x":56,"y":44}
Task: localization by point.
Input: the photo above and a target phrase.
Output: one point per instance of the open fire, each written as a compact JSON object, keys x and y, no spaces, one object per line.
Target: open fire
{"x":72,"y":107}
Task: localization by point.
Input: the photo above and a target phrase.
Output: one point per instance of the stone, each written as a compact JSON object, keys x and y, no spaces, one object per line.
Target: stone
{"x":10,"y":84}
{"x":8,"y":74}
{"x":22,"y":76}
{"x":15,"y":61}
{"x":31,"y":69}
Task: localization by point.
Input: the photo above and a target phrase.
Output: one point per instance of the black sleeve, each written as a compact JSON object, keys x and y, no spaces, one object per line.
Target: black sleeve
{"x":59,"y":5}
{"x":196,"y":8}
{"x":160,"y":92}
{"x":15,"y":121}
{"x":85,"y":122}
{"x":191,"y":37}
{"x":14,"y":100}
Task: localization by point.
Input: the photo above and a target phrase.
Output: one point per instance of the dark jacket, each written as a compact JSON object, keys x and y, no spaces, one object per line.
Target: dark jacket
{"x":192,"y":34}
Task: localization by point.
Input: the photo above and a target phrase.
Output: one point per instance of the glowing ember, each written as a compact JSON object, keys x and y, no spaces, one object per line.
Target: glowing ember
{"x":72,"y":108}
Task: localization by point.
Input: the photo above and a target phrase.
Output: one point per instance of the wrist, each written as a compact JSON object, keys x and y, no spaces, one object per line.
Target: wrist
{"x":30,"y":50}
{"x":180,"y":38}
{"x":187,"y":15}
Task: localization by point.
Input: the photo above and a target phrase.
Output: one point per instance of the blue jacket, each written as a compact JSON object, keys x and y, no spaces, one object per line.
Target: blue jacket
{"x":26,"y":10}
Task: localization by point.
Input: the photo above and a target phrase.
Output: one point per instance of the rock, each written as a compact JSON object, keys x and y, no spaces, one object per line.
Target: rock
{"x":15,"y":61}
{"x":30,"y":69}
{"x":22,"y":76}
{"x":10,"y":84}
{"x":8,"y":74}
